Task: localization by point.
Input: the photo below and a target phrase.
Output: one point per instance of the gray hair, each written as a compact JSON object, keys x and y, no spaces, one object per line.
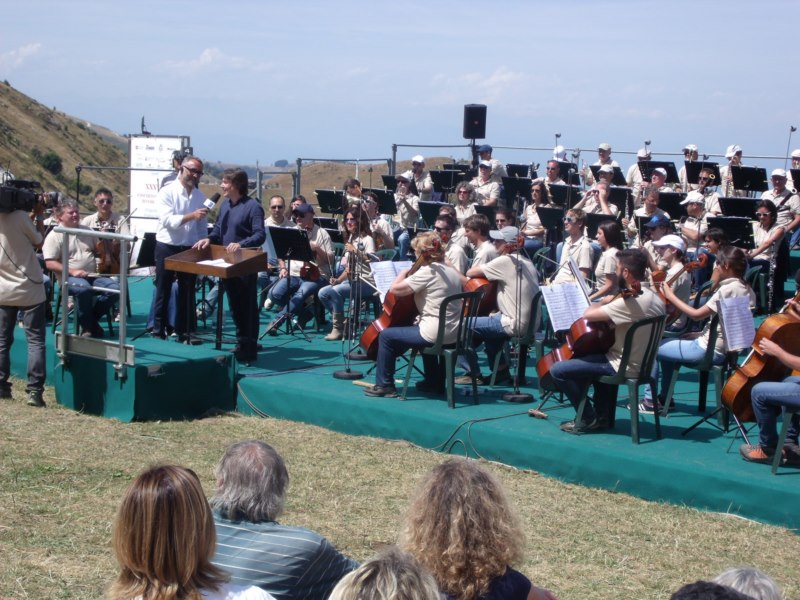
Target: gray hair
{"x":65,"y":202}
{"x":750,"y":581}
{"x":391,"y":575}
{"x":467,"y":186}
{"x":251,"y":482}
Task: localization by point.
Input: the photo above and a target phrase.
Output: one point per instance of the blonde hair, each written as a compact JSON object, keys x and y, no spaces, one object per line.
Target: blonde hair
{"x":391,"y":575}
{"x":429,"y":243}
{"x":164,"y":538}
{"x":462,"y":528}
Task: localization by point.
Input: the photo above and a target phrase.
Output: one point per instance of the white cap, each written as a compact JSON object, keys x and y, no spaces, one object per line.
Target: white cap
{"x":694,"y":196}
{"x":559,"y":153}
{"x":485,"y":163}
{"x":606,"y":169}
{"x":795,"y":153}
{"x":604,"y":146}
{"x":690,"y":148}
{"x":671,"y":240}
{"x":778,"y":173}
{"x":643,"y":153}
{"x":418,"y":158}
{"x":661,"y":171}
{"x":732,"y":150}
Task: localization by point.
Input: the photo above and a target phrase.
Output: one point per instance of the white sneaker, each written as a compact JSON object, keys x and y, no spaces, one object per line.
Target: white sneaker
{"x":267,"y":304}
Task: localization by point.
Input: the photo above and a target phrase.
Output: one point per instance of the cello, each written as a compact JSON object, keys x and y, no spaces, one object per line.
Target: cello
{"x":583,"y":338}
{"x":783,"y":328}
{"x":397,"y":312}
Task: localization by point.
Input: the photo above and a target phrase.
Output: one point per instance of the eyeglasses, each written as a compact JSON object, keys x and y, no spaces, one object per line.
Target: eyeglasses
{"x":350,"y":220}
{"x":277,"y":207}
{"x":570,"y":219}
{"x":760,"y":215}
{"x":441,"y":229}
{"x":500,"y":221}
{"x":463,"y":192}
{"x":550,"y":169}
{"x":105,"y":201}
{"x":704,"y":178}
{"x":197,"y":172}
{"x":416,"y":164}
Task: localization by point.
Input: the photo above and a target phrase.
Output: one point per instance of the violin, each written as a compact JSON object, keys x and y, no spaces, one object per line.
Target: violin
{"x":660,"y":276}
{"x":107,"y":252}
{"x":583,"y":338}
{"x":310,"y":271}
{"x":783,"y":328}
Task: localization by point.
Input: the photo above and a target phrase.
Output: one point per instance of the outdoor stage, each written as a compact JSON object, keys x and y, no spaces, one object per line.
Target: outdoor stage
{"x":292,"y":379}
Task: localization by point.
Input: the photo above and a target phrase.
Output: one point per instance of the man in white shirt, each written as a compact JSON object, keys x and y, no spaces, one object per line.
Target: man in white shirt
{"x":498,"y":169}
{"x":182,"y":222}
{"x":422,"y":179}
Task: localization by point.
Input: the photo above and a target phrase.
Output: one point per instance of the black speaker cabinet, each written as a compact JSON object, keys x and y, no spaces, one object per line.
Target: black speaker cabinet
{"x":474,"y":121}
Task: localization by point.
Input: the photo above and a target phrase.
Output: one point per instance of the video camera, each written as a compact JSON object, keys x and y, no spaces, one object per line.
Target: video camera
{"x":23,"y":194}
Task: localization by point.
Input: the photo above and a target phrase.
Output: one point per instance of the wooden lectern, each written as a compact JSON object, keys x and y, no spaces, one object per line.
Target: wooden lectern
{"x":246,"y":261}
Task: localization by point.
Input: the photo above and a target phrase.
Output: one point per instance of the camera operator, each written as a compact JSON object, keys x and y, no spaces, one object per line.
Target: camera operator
{"x":22,"y":289}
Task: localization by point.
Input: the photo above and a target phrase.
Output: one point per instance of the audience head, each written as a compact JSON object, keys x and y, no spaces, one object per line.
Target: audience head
{"x":461,"y":527}
{"x":750,"y":581}
{"x":164,"y":537}
{"x":251,"y":482}
{"x":391,"y":575}
{"x":706,"y":590}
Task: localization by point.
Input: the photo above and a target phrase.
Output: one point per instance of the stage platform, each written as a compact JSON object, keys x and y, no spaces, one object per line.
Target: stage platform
{"x":293,"y":379}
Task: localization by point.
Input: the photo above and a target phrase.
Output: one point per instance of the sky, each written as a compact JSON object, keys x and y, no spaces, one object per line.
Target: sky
{"x":259,"y":81}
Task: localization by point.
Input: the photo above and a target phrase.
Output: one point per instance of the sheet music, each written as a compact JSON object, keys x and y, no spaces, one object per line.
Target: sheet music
{"x":737,"y":322}
{"x":576,"y":273}
{"x":218,"y":262}
{"x":565,"y":302}
{"x":385,"y":272}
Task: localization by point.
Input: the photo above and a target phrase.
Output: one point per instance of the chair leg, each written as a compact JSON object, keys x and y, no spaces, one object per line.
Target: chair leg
{"x":504,"y":351}
{"x":787,"y":418}
{"x":411,"y":359}
{"x":671,"y":390}
{"x":449,"y":379}
{"x":633,"y":402}
{"x":701,"y":402}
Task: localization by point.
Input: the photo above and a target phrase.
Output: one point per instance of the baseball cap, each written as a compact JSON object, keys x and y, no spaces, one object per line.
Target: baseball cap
{"x":671,"y":240}
{"x":418,"y":158}
{"x":508,"y":234}
{"x":778,"y":173}
{"x":485,"y":163}
{"x":694,"y":196}
{"x":658,"y":221}
{"x":303,"y":209}
{"x":732,"y":150}
{"x":604,"y":146}
{"x":484,"y":148}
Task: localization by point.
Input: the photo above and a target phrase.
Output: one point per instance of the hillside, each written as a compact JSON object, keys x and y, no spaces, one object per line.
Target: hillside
{"x":40,"y":143}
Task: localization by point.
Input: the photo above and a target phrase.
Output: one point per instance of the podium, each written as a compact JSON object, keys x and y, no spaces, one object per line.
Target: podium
{"x":215,"y":261}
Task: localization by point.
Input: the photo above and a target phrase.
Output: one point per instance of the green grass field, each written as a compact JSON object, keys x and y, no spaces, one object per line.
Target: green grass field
{"x":62,"y":474}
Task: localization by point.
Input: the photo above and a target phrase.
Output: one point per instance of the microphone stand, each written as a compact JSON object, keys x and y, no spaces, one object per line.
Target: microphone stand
{"x":354,"y":265}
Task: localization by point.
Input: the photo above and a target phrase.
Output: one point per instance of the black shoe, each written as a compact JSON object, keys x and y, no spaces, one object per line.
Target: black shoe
{"x":5,"y":393}
{"x":35,"y":399}
{"x":427,"y":387}
{"x":272,"y":328}
{"x":596,"y":424}
{"x":157,"y":335}
{"x":381,"y":392}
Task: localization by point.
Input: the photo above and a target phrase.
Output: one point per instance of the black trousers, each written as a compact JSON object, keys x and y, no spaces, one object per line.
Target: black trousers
{"x":164,"y":279}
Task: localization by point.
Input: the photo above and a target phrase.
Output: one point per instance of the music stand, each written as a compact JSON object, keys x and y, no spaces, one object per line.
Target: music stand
{"x":738,"y":207}
{"x":144,"y":251}
{"x":488,"y":212}
{"x":446,"y":181}
{"x":618,"y":196}
{"x":794,"y":177}
{"x":330,"y":201}
{"x":593,"y":221}
{"x":386,"y":203}
{"x":646,"y":167}
{"x":518,"y":170}
{"x":617,"y":179}
{"x":389,"y":182}
{"x":570,"y":178}
{"x":326,"y":223}
{"x":693,"y":168}
{"x":465,"y":169}
{"x":749,"y":179}
{"x":670,"y":202}
{"x":291,"y":244}
{"x":552,"y":217}
{"x":517,"y":188}
{"x":335,"y":235}
{"x":738,"y":229}
{"x":565,"y":195}
{"x":429,"y":211}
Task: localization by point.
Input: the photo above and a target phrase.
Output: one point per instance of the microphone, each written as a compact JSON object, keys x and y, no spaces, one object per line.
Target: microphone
{"x":210,"y":203}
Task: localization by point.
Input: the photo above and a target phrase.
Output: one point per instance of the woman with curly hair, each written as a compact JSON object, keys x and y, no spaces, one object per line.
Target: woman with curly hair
{"x":465,"y":201}
{"x":164,"y":539}
{"x":462,"y":528}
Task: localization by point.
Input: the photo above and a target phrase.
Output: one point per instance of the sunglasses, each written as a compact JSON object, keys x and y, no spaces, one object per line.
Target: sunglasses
{"x":350,"y":220}
{"x":105,"y":201}
{"x":441,"y":229}
{"x":570,"y":219}
{"x":760,"y":215}
{"x":277,"y":207}
{"x":197,"y":172}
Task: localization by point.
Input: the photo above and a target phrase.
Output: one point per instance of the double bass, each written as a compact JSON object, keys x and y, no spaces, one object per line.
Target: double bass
{"x":783,"y":328}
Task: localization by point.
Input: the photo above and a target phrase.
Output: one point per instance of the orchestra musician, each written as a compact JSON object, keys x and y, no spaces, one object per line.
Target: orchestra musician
{"x":671,"y":249}
{"x":498,"y":169}
{"x":459,"y":235}
{"x":788,"y":203}
{"x":690,"y":154}
{"x":768,"y":237}
{"x":595,"y":200}
{"x":706,"y":185}
{"x":603,"y":158}
{"x":648,"y":209}
{"x":734,"y":155}
{"x":476,"y":228}
{"x":609,"y":236}
{"x":634,"y":177}
{"x":657,"y":227}
{"x":379,"y":224}
{"x":430,"y":284}
{"x":573,"y":376}
{"x":421,"y":178}
{"x":407,"y":215}
{"x":455,"y":256}
{"x":487,"y":190}
{"x":305,"y":279}
{"x":576,"y":246}
{"x":352,"y":191}
{"x":769,"y":400}
{"x":105,"y":219}
{"x":552,"y":175}
{"x":533,"y":230}
{"x":517,"y":283}
{"x":692,"y":230}
{"x":465,"y":201}
{"x":358,"y":246}
{"x":732,"y":264}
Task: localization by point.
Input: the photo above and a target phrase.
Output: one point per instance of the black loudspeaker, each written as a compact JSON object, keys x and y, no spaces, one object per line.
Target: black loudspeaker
{"x":474,"y":121}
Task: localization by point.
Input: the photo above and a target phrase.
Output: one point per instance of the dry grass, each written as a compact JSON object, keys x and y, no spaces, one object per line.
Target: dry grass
{"x":62,"y":474}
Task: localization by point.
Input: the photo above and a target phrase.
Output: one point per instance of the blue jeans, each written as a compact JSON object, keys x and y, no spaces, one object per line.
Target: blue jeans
{"x":572,"y":377}
{"x":92,"y":305}
{"x":672,"y":352}
{"x":291,"y":292}
{"x":769,"y":400}
{"x":393,"y":342}
{"x":333,"y":296}
{"x":532,"y":244}
{"x":35,"y":326}
{"x":488,"y":330}
{"x":402,"y":241}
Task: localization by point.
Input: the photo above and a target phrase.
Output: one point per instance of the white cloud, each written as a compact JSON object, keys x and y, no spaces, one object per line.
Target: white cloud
{"x":212,"y":60}
{"x":485,"y":88}
{"x":15,"y":58}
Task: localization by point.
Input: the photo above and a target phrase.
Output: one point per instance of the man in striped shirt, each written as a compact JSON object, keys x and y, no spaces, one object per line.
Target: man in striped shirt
{"x":288,"y":562}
